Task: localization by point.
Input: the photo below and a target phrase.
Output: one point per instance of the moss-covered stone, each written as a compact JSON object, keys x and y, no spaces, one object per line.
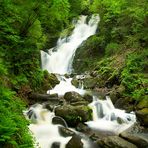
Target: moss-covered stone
{"x":72,"y":97}
{"x":143,"y":103}
{"x":74,"y":114}
{"x":142,"y":115}
{"x":49,"y":82}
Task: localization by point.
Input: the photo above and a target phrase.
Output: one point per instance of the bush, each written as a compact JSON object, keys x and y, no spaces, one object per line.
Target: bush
{"x":111,"y":49}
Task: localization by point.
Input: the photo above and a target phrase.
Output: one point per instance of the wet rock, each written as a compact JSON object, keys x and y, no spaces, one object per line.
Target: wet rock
{"x":142,"y":104}
{"x":73,"y":97}
{"x":124,"y":103}
{"x":55,"y":145}
{"x":79,"y":103}
{"x":49,"y":81}
{"x":90,"y":83}
{"x":74,"y":114}
{"x":59,"y":120}
{"x":139,"y":139}
{"x":65,"y":132}
{"x":137,"y":135}
{"x":142,"y":115}
{"x":83,"y":128}
{"x":43,"y":97}
{"x":75,"y":82}
{"x":116,"y":92}
{"x":101,"y":92}
{"x":88,"y":97}
{"x":120,"y":120}
{"x":114,"y":142}
{"x":75,"y":142}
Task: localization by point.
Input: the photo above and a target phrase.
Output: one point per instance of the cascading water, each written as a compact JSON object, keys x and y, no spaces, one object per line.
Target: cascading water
{"x":59,"y":60}
{"x":107,"y":118}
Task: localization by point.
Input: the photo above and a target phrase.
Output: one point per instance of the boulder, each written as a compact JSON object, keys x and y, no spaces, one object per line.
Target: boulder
{"x":139,"y":139}
{"x":88,"y":97}
{"x":142,"y":115}
{"x":43,"y":97}
{"x":49,"y":81}
{"x":75,"y":82}
{"x":142,"y":104}
{"x":114,"y":142}
{"x":74,"y":114}
{"x":124,"y":103}
{"x":116,"y":92}
{"x":73,"y":97}
{"x":55,"y":145}
{"x":137,"y":135}
{"x":75,"y":142}
{"x":59,"y":120}
{"x":80,"y":103}
{"x":90,"y":83}
{"x":65,"y":132}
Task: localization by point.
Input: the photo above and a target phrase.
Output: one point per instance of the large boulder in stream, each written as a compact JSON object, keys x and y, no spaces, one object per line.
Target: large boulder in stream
{"x":142,"y":115}
{"x":73,"y":97}
{"x":65,"y":132}
{"x":136,"y":135}
{"x":49,"y":81}
{"x":74,"y":114}
{"x":59,"y":120}
{"x":75,"y":142}
{"x":114,"y":142}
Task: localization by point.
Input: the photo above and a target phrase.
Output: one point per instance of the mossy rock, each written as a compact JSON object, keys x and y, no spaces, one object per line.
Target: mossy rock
{"x":75,"y":82}
{"x":114,"y":142}
{"x":74,"y":114}
{"x":73,"y":97}
{"x":75,"y":142}
{"x":142,"y":115}
{"x":49,"y":81}
{"x":90,"y":83}
{"x":143,"y":103}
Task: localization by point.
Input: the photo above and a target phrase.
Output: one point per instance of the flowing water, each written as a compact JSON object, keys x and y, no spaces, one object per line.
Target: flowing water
{"x":59,"y":60}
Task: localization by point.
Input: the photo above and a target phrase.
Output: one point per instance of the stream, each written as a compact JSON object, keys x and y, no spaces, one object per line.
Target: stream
{"x":59,"y":60}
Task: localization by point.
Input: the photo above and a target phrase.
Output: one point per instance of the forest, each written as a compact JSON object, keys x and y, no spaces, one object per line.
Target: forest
{"x":118,"y":53}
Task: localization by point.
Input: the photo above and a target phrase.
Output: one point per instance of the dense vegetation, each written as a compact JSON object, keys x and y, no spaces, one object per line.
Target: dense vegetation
{"x":28,"y":26}
{"x":119,"y":50}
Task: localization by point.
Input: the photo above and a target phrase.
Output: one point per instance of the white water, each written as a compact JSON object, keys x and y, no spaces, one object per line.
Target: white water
{"x":105,"y":116}
{"x":65,"y":86}
{"x":45,"y":133}
{"x":61,"y":61}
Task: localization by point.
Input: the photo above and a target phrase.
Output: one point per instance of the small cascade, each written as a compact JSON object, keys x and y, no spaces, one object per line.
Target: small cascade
{"x":44,"y":132}
{"x":65,"y":86}
{"x":109,"y":119}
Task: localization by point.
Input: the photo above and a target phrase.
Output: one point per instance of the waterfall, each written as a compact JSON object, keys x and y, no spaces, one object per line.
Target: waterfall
{"x":60,"y":61}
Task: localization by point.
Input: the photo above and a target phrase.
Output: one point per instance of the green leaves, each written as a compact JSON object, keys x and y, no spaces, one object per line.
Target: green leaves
{"x":13,"y":126}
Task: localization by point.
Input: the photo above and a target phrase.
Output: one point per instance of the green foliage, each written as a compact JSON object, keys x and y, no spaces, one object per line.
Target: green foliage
{"x":122,"y":21}
{"x":78,"y":7}
{"x":133,"y":75}
{"x":13,"y":126}
{"x":112,"y":48}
